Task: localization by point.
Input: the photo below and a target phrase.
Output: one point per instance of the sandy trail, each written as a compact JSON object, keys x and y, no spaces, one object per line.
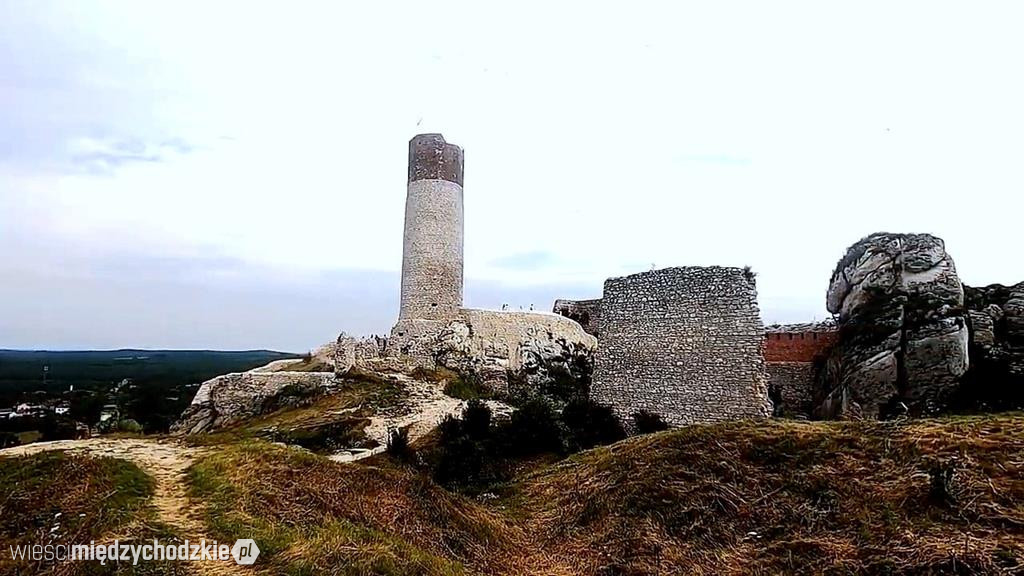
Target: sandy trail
{"x":166,"y":462}
{"x":421,"y":411}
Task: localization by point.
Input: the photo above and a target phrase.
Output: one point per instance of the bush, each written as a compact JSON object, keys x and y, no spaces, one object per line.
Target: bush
{"x":476,"y":420}
{"x":398,"y":445}
{"x":467,"y":387}
{"x":461,"y":463}
{"x":128,"y":425}
{"x":591,"y":424}
{"x":532,"y":429}
{"x":449,"y":429}
{"x":645,"y":422}
{"x":9,"y":439}
{"x":56,"y":428}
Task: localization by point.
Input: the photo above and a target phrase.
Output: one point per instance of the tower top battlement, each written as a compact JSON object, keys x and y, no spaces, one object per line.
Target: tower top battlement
{"x":432,"y":158}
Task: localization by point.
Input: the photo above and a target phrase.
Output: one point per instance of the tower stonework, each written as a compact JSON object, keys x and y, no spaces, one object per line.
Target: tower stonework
{"x":432,"y":246}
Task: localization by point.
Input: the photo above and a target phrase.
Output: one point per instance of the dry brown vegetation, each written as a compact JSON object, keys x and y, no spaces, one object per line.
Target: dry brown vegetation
{"x":337,"y":417}
{"x":57,"y":498}
{"x":769,"y":498}
{"x":312,"y":516}
{"x":926,"y":497}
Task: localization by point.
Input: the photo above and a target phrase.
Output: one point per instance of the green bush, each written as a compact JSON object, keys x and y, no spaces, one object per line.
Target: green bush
{"x":461,"y":463}
{"x":476,"y":420}
{"x":590,"y":424}
{"x":532,"y":429}
{"x":467,"y":386}
{"x":645,"y":422}
{"x":398,"y":445}
{"x":128,"y":425}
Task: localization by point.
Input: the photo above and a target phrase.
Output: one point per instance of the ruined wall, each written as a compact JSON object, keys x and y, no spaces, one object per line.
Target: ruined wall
{"x":798,"y":342}
{"x":519,"y":354}
{"x":683,"y":342}
{"x":587,"y":313}
{"x":792,"y":353}
{"x":792,"y":388}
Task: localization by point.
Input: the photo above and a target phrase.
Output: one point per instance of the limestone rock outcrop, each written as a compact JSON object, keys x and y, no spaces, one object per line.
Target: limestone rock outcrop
{"x":231,"y":398}
{"x":516,"y":354}
{"x":996,"y":320}
{"x":902,"y":328}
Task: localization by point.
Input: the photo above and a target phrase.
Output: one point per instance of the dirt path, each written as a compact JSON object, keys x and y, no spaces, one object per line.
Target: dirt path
{"x":421,"y":411}
{"x":166,"y":462}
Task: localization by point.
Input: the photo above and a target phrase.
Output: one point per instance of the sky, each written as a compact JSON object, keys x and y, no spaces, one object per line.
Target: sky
{"x":231,"y":175}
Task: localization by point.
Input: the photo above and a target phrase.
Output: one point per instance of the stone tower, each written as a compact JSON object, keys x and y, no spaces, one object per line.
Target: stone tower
{"x":432,"y":244}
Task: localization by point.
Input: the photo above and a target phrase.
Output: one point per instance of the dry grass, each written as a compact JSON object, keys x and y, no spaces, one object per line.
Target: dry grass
{"x":311,"y":515}
{"x":739,"y":498}
{"x":58,"y":498}
{"x":769,"y":498}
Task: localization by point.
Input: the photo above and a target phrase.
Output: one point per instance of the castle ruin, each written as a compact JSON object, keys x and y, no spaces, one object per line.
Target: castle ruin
{"x":504,"y":348}
{"x":793,"y":355}
{"x":685,"y":343}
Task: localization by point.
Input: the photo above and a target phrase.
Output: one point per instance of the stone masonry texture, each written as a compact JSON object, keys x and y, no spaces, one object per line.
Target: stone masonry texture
{"x":586,"y":312}
{"x":685,"y":343}
{"x":433,"y":238}
{"x":793,"y":353}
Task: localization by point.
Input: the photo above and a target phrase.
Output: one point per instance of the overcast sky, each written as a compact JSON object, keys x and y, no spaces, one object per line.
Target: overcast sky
{"x":232,"y":175}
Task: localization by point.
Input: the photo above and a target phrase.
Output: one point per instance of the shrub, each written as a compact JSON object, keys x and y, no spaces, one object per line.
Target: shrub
{"x":461,"y":463}
{"x":56,"y":428}
{"x":476,"y":420}
{"x":128,"y":425}
{"x":398,"y":445}
{"x":591,"y":424}
{"x":467,"y":386}
{"x":532,"y":429}
{"x":449,"y":429}
{"x":645,"y":422}
{"x":8,"y":439}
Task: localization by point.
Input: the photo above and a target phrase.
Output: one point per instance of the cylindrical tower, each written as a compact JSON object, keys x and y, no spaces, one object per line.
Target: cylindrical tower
{"x":432,"y":248}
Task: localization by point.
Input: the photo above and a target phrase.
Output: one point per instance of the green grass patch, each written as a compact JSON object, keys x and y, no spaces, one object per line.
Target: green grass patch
{"x":58,"y":498}
{"x":467,"y":387}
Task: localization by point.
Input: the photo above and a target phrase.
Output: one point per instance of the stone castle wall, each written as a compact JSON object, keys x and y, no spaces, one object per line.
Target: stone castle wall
{"x":792,"y":354}
{"x":585,"y":312}
{"x":798,"y":342}
{"x":685,"y":343}
{"x":792,"y":388}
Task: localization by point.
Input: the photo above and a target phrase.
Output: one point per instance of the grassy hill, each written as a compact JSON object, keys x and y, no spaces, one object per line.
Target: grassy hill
{"x":928,"y":497}
{"x":941,"y":496}
{"x":63,"y":499}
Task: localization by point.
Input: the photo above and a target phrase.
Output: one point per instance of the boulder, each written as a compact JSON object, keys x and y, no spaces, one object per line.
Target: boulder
{"x":903,"y":336}
{"x":231,"y":398}
{"x":995,"y":380}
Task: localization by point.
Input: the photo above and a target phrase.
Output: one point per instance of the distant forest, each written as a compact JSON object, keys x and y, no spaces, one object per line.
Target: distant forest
{"x":160,"y":383}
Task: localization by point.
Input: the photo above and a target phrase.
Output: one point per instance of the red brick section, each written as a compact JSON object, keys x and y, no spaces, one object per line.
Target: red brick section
{"x":797,"y":346}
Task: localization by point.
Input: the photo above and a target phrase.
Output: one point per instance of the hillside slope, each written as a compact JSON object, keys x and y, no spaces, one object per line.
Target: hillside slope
{"x":926,"y":497}
{"x":942,"y":496}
